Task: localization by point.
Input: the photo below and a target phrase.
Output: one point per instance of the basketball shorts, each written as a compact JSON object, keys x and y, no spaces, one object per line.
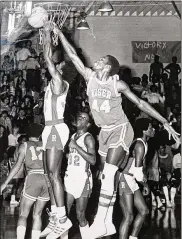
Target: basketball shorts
{"x":127,"y":184}
{"x":78,"y":186}
{"x":55,"y":136}
{"x":35,"y":188}
{"x":121,"y":135}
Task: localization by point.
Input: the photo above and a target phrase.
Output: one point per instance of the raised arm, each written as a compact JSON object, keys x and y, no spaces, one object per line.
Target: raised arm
{"x":57,"y":83}
{"x":122,"y":87}
{"x":16,"y":167}
{"x":71,"y":53}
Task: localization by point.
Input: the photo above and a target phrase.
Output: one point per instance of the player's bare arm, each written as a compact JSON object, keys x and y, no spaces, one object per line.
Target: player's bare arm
{"x":57,"y":84}
{"x":122,"y":87}
{"x":16,"y":167}
{"x":139,"y":154}
{"x":90,"y":155}
{"x":71,"y":52}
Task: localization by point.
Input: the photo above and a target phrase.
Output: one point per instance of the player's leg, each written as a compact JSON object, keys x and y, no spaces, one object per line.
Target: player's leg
{"x":126,"y":203}
{"x":54,"y":161}
{"x":118,"y":142}
{"x":25,"y":206}
{"x":81,"y":206}
{"x":53,"y":212}
{"x":37,"y":222}
{"x":69,"y":202}
{"x":140,"y":204}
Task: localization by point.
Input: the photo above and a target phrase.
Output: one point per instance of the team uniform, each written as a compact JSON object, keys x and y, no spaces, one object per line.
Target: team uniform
{"x":106,"y":107}
{"x":78,"y":177}
{"x":56,"y":132}
{"x":127,"y":183}
{"x":35,"y":186}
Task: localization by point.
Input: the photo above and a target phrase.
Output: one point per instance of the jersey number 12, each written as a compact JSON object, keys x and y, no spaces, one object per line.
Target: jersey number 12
{"x":104,"y":106}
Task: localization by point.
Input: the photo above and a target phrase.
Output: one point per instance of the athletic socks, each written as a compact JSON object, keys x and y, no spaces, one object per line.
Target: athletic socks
{"x":84,"y":231}
{"x":21,"y":232}
{"x":131,"y":237}
{"x":53,"y":209}
{"x":98,"y":228}
{"x":109,"y":218}
{"x":61,"y":214}
{"x":35,"y":234}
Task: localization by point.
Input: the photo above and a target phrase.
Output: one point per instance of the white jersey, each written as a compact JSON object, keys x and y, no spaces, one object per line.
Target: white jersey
{"x":54,"y":105}
{"x":76,"y":163}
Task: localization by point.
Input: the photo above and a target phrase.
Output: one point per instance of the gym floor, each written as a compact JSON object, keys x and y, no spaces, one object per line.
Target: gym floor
{"x":160,"y":224}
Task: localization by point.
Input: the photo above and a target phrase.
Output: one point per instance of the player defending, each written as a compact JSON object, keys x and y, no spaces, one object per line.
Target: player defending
{"x":35,"y":190}
{"x":130,"y":194}
{"x":78,"y":177}
{"x":116,"y":135}
{"x":55,"y":136}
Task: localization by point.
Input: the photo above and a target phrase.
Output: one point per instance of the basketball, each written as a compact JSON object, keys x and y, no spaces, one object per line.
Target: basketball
{"x":38,"y":16}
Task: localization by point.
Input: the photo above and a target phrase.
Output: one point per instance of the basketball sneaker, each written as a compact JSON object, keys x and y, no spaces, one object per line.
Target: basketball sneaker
{"x":52,"y":223}
{"x":60,"y":229}
{"x":110,"y":229}
{"x":97,"y":229}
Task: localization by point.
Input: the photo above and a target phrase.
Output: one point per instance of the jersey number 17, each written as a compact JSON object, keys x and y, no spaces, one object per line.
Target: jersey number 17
{"x":36,"y":153}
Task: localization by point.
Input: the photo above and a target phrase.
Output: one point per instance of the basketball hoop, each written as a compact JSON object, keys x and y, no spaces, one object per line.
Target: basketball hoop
{"x":58,"y":13}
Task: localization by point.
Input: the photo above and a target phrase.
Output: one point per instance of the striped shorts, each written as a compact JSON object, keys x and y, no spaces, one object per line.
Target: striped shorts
{"x":35,"y":187}
{"x":120,"y":135}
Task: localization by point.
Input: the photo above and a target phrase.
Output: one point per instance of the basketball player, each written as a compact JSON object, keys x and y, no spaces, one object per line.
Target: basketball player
{"x":116,"y":135}
{"x":78,"y":177}
{"x":54,"y":137}
{"x":130,"y":194}
{"x":35,"y":190}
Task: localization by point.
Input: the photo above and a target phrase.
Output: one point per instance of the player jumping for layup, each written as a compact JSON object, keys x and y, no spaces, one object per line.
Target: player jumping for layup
{"x":35,"y":190}
{"x":130,"y":194}
{"x":55,"y":136}
{"x":116,"y":135}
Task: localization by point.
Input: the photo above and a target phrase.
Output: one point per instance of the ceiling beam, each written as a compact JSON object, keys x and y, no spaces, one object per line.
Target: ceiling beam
{"x":176,"y":8}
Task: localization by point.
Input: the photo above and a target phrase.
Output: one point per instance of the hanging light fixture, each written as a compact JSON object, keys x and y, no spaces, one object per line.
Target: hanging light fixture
{"x":105,"y":7}
{"x":83,"y":25}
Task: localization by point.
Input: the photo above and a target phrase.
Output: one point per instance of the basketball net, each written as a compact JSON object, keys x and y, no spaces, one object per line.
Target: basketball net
{"x":57,"y":16}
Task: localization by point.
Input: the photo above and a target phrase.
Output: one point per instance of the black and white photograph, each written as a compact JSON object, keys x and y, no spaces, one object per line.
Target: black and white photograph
{"x":90,"y":119}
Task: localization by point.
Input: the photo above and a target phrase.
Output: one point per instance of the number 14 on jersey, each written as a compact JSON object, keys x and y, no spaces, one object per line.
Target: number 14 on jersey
{"x":103,"y":107}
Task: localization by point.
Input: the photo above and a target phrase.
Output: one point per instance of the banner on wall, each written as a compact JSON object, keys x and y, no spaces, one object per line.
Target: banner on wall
{"x":144,"y":51}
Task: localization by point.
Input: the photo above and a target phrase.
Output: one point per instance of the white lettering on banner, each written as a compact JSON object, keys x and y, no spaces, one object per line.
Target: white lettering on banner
{"x":154,"y":44}
{"x":149,"y":57}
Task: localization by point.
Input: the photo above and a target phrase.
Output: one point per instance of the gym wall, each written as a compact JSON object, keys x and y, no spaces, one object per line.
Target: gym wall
{"x":113,"y":35}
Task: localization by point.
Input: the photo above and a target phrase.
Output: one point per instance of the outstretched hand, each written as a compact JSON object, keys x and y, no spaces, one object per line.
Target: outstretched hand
{"x":171,"y":132}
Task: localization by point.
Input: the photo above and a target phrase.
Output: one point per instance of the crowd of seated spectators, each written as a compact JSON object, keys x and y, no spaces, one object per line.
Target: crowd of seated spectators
{"x":23,"y":80}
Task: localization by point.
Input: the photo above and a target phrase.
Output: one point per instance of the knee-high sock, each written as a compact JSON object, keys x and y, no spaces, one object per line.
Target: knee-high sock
{"x":109,"y":216}
{"x":107,"y":189}
{"x":84,"y":231}
{"x":21,"y":232}
{"x":35,"y":234}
